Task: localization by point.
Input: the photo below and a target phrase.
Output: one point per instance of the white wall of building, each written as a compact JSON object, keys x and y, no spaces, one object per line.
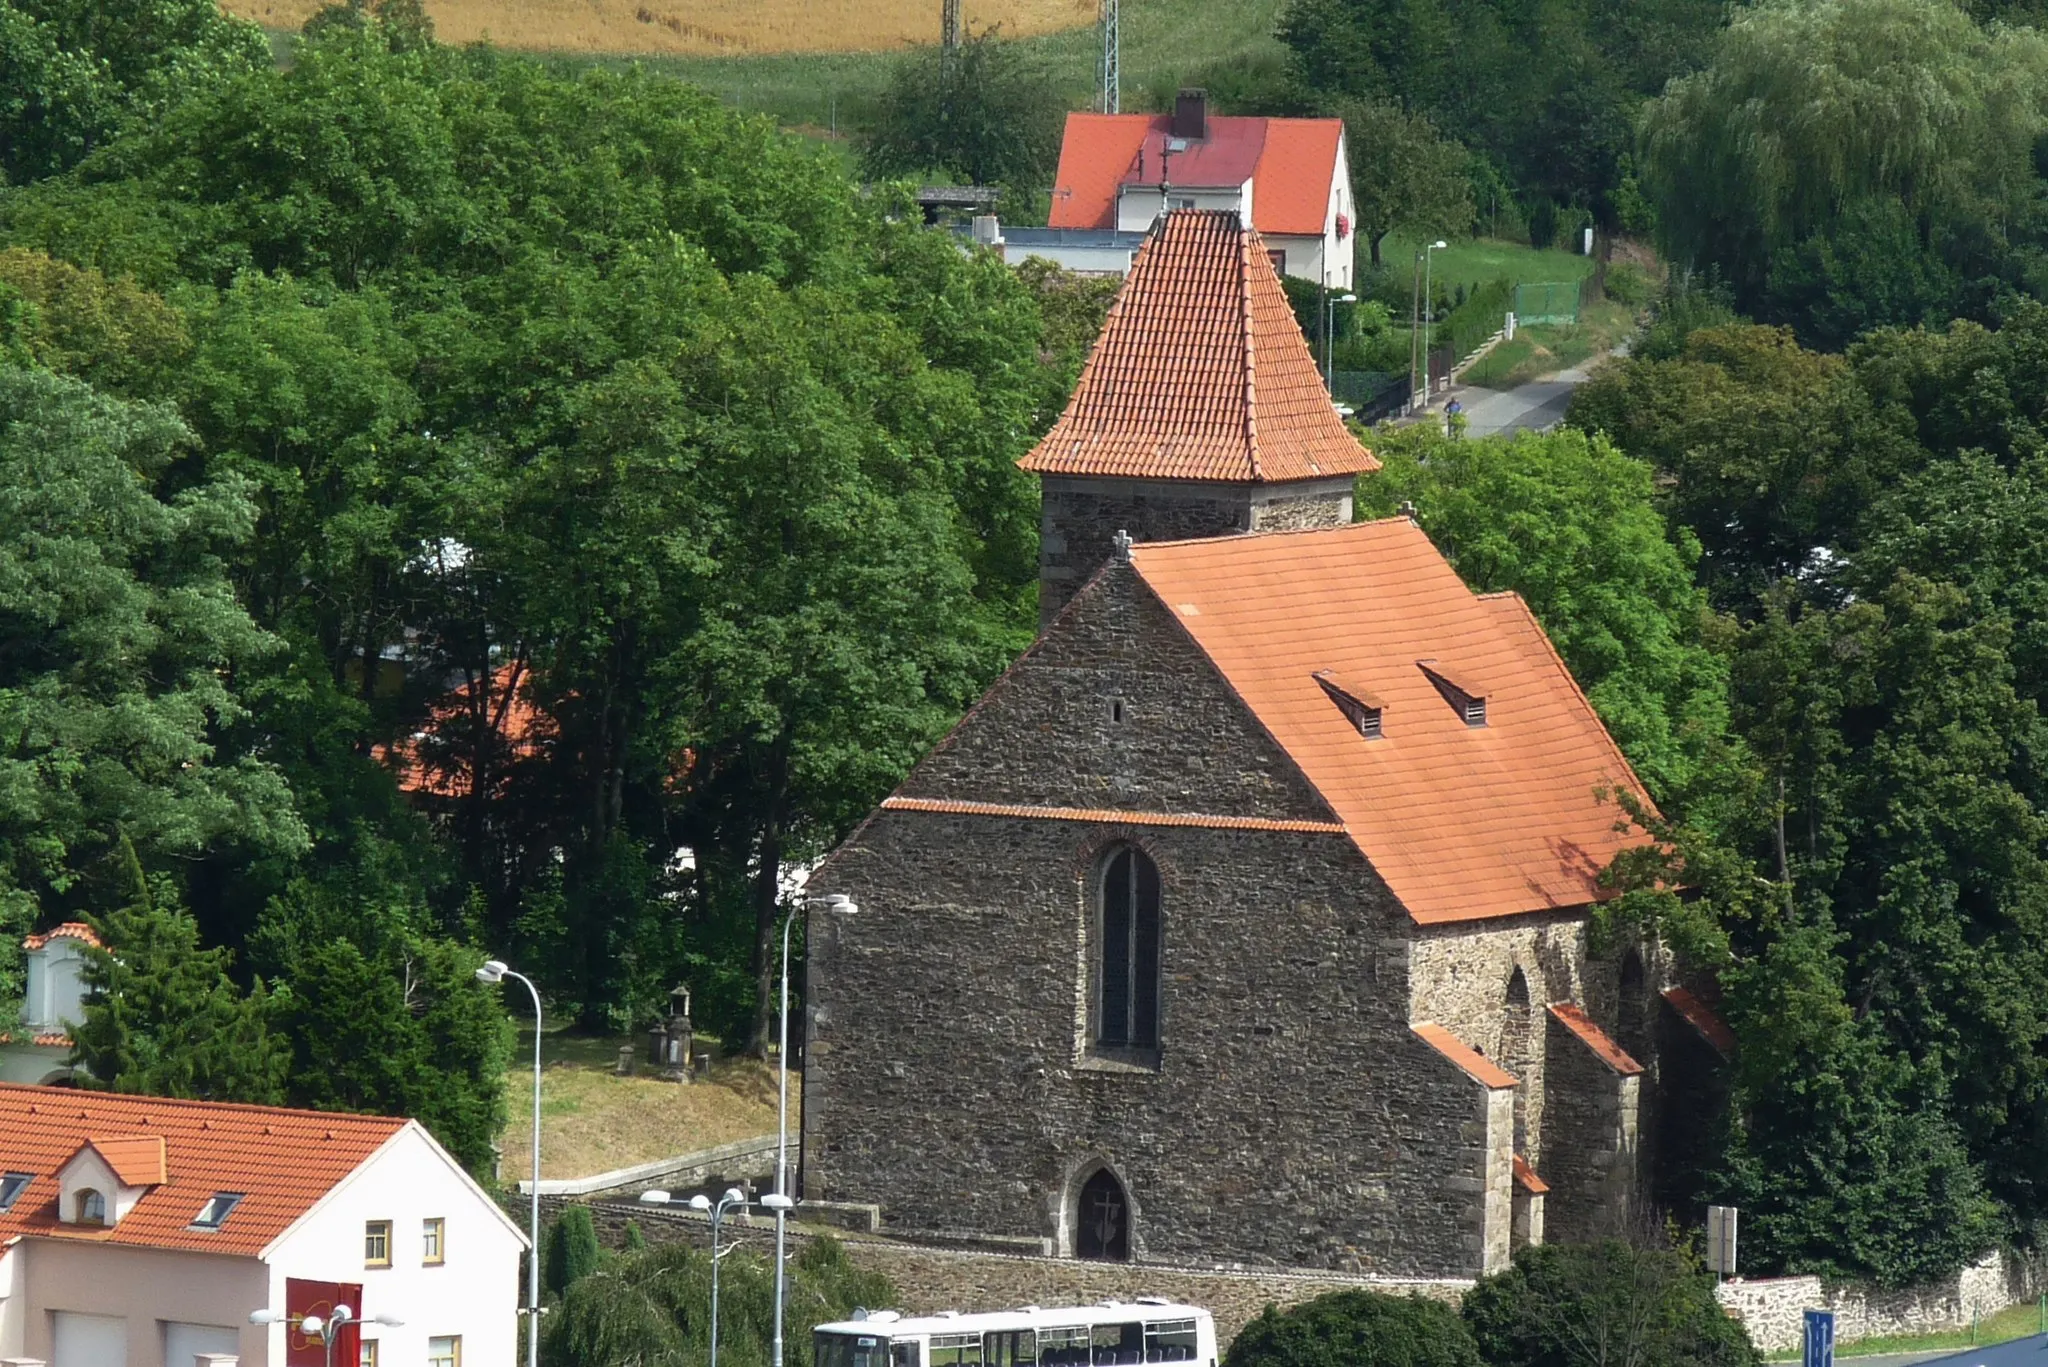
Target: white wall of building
{"x":1137,"y":206}
{"x":474,"y":1293}
{"x":55,"y":997}
{"x":146,"y":1289}
{"x":1340,"y":253}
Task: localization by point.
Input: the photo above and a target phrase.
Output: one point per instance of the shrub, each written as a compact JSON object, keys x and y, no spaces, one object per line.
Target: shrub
{"x":1356,"y":1329}
{"x":1645,"y":1307}
{"x":572,"y":1252}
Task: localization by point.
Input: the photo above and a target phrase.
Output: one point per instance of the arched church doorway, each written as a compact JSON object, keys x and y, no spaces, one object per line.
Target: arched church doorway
{"x":1102,"y":1224}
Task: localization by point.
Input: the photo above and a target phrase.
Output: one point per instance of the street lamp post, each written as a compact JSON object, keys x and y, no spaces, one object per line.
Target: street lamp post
{"x":700,"y":1202}
{"x":1429,"y":302}
{"x":494,"y":971}
{"x":1330,"y":302}
{"x":328,"y":1328}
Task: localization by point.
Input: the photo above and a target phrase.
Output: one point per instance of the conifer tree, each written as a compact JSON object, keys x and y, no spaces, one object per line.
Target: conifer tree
{"x":162,"y":1017}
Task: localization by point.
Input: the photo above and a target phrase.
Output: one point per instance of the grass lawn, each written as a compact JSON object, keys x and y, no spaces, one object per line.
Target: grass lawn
{"x":1163,"y":42}
{"x":2015,"y":1322}
{"x":1476,"y":261}
{"x":1537,"y":351}
{"x":592,"y":1121}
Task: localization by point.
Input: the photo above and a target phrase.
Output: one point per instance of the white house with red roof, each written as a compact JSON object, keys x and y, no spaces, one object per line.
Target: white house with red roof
{"x":53,"y":1002}
{"x":1288,"y":179}
{"x":138,"y":1231}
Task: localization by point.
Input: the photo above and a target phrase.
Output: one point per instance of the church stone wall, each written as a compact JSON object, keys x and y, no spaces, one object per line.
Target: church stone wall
{"x":1591,"y":1160}
{"x":1293,"y":1119}
{"x":1117,"y":709}
{"x":1080,"y":517}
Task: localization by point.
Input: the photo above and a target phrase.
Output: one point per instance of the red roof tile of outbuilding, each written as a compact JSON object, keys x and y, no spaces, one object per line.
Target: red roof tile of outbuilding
{"x":1573,"y":1017}
{"x":1292,"y":164}
{"x":282,"y":1161}
{"x":1201,"y":373}
{"x":1702,"y":1018}
{"x":70,"y":930}
{"x":1462,"y":822}
{"x":1470,"y":1061}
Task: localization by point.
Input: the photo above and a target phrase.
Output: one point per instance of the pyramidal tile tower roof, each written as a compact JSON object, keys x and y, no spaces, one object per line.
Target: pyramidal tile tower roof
{"x":1201,"y":373}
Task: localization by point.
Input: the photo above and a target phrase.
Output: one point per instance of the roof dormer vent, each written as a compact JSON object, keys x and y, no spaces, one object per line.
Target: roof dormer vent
{"x":1465,"y":695}
{"x":1360,"y":706}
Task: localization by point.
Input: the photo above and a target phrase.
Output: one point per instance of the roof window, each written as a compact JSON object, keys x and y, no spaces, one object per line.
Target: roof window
{"x":215,"y":1212}
{"x":1466,"y":696}
{"x":12,"y":1185}
{"x":1360,"y":706}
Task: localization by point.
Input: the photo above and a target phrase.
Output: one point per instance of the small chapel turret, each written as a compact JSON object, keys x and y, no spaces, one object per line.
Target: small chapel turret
{"x":1200,"y":412}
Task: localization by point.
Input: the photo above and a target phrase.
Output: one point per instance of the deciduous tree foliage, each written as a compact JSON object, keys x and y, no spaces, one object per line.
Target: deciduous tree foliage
{"x":1355,"y":1329}
{"x":985,"y":112}
{"x":1603,"y":1305}
{"x":1404,"y":174}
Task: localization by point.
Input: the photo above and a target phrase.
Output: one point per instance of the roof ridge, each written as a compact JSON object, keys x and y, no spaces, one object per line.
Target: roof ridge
{"x":1273,"y":534}
{"x":1246,"y":243}
{"x":70,"y":1096}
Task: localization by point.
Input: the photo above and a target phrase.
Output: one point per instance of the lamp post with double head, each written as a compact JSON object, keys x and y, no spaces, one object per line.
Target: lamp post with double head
{"x":1429,"y":304}
{"x":779,"y":1200}
{"x":495,"y":971}
{"x":702,"y":1203}
{"x":1330,"y":302}
{"x":328,"y":1327}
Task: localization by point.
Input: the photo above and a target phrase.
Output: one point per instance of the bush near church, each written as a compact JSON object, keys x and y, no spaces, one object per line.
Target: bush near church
{"x":1581,"y":1305}
{"x":1356,"y":1329}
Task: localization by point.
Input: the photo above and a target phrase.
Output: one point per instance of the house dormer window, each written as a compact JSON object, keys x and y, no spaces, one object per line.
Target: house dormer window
{"x":90,"y":1207}
{"x":1360,"y":706}
{"x":1466,"y":696}
{"x":215,"y":1212}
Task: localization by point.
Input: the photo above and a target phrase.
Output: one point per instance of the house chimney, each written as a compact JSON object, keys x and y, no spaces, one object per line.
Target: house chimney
{"x":1191,"y":115}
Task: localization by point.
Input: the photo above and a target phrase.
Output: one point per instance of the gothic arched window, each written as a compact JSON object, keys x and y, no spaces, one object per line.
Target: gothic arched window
{"x":1102,"y":1225}
{"x":1127,"y":958}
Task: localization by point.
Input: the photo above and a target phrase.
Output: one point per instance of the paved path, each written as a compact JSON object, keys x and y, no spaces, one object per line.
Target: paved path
{"x":2027,"y":1352}
{"x":1535,"y":406}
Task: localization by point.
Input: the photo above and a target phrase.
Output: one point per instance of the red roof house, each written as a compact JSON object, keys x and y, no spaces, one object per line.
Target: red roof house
{"x":1287,"y":177}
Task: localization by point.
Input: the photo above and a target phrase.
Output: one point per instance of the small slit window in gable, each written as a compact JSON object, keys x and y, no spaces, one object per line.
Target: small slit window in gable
{"x":1360,"y":706}
{"x":1466,"y":696}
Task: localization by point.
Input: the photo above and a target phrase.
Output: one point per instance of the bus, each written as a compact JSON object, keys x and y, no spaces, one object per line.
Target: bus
{"x":1108,"y":1334}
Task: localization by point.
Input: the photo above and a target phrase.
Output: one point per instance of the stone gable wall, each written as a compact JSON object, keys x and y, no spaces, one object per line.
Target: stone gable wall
{"x":1293,"y":1118}
{"x":1045,"y":735}
{"x":1590,"y":1162}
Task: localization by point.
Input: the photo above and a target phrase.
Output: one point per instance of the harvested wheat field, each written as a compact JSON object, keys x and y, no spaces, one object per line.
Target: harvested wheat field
{"x":703,"y":27}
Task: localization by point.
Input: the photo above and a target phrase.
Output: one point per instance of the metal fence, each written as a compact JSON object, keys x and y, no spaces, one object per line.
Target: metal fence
{"x":1370,"y":394}
{"x":1555,"y":302}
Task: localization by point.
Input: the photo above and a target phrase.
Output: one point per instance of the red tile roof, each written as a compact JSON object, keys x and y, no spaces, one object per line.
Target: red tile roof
{"x":1462,"y":822}
{"x":283,"y":1161}
{"x":1573,"y":1017}
{"x":1292,"y":164}
{"x":1526,"y":1178}
{"x":1475,"y":1065}
{"x":1201,"y":373}
{"x":70,"y":930}
{"x":138,"y":1161}
{"x":437,"y":760}
{"x":1196,"y":819}
{"x":1702,"y":1018}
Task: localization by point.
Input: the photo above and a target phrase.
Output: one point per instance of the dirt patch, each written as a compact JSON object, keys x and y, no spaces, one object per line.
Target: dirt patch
{"x":703,"y":27}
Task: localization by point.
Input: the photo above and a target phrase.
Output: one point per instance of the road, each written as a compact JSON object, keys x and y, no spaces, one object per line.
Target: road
{"x":1527,"y":407}
{"x":2027,"y":1352}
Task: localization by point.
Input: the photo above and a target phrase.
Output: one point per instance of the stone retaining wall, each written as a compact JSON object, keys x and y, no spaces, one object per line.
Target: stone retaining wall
{"x":933,"y":1279}
{"x":1774,"y":1309}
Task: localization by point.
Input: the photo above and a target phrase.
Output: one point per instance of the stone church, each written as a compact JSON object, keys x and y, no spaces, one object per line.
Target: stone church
{"x":1244,"y":919}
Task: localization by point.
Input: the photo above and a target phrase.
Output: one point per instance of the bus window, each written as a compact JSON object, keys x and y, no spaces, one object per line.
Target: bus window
{"x":955,"y":1350}
{"x":902,"y":1354}
{"x":850,"y":1350}
{"x":1010,"y":1348}
{"x":1118,"y":1345}
{"x":1170,"y":1341}
{"x":1063,"y":1347}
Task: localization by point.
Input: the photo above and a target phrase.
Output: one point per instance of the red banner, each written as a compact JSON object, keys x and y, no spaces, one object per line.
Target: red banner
{"x":303,"y":1298}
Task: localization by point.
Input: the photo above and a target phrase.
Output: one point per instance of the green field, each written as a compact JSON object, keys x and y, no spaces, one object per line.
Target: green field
{"x":1163,"y":42}
{"x":1475,"y":261}
{"x":1543,"y":348}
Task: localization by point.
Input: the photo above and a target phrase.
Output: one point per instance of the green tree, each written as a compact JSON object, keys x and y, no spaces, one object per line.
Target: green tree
{"x":1603,"y":1305}
{"x":162,"y":1017}
{"x":1845,"y":145}
{"x":1355,"y":1329}
{"x":1404,"y":174}
{"x":1572,"y":525}
{"x":572,"y":1250}
{"x":985,"y":112}
{"x":654,"y":1307}
{"x":123,"y":635}
{"x":116,"y":336}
